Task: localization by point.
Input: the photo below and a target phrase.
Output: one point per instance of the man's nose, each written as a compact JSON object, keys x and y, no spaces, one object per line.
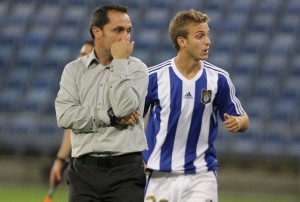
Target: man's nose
{"x":126,"y":36}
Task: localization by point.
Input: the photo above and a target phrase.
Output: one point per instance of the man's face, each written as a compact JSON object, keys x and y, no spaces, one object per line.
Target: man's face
{"x":198,"y":41}
{"x":118,"y":28}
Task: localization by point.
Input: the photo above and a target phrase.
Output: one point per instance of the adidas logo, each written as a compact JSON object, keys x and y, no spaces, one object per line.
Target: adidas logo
{"x":188,"y":96}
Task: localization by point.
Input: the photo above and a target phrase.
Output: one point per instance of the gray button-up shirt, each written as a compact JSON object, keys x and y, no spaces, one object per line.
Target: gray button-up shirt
{"x":87,"y":90}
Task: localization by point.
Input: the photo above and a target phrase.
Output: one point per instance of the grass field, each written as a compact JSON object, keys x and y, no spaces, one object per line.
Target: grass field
{"x":37,"y":194}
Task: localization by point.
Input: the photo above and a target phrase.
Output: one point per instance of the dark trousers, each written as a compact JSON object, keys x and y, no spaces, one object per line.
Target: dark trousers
{"x":107,"y":179}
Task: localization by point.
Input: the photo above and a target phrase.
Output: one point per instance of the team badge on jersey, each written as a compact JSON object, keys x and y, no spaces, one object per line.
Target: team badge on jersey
{"x":206,"y":96}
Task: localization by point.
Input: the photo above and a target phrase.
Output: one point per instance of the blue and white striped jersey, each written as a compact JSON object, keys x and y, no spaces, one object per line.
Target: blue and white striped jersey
{"x":182,"y":125}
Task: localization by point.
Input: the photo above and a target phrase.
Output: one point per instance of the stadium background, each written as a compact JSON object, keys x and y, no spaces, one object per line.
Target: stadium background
{"x":256,"y":41}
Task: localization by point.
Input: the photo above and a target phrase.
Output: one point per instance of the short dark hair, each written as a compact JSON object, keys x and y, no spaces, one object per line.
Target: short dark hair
{"x":99,"y":17}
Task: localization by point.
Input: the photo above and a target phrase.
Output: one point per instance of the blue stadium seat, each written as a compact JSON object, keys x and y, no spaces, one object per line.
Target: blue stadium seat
{"x":265,"y":87}
{"x":282,"y":44}
{"x":236,"y":22}
{"x":241,"y":82}
{"x":295,"y":66}
{"x":291,"y":88}
{"x":274,"y":65}
{"x":273,"y":141}
{"x":227,"y":42}
{"x":21,"y":12}
{"x":246,"y":63}
{"x":258,"y":108}
{"x":47,"y":14}
{"x":9,"y":99}
{"x":244,"y":6}
{"x":284,"y":110}
{"x":293,"y":148}
{"x":186,"y":5}
{"x":254,"y":42}
{"x":247,"y":142}
{"x":262,"y":22}
{"x":288,"y":23}
{"x":292,"y":6}
{"x":221,"y":59}
{"x":23,"y":124}
{"x":269,"y":6}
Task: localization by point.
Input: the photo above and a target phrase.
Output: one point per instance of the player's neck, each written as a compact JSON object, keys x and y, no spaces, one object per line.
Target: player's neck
{"x":187,"y":67}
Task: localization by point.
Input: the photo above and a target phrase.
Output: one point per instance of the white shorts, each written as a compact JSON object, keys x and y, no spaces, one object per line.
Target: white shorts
{"x":173,"y":187}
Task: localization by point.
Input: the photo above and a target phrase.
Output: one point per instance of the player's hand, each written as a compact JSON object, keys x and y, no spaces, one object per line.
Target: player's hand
{"x":122,"y":49}
{"x":132,"y":119}
{"x":56,"y":172}
{"x":232,"y":123}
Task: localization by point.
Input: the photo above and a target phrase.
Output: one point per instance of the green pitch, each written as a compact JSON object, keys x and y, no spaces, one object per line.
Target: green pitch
{"x":37,"y":194}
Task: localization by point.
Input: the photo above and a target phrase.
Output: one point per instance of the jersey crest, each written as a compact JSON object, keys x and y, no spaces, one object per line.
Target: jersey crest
{"x":206,"y":96}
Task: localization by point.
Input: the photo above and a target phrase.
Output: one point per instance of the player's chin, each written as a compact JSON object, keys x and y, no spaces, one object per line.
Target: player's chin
{"x":203,"y":57}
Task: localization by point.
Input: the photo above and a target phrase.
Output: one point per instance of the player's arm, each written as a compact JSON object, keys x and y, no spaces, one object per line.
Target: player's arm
{"x":62,"y":154}
{"x":236,"y":123}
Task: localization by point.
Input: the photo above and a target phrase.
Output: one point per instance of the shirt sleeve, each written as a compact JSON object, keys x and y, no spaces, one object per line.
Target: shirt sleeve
{"x":226,"y":98}
{"x":127,"y":83}
{"x":70,"y":112}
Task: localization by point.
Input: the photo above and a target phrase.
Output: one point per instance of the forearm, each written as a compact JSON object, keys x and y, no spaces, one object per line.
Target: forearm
{"x":65,"y":147}
{"x":127,"y":90}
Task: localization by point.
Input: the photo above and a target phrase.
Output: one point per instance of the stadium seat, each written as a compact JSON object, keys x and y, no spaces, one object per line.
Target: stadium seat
{"x":292,"y":6}
{"x":274,"y":65}
{"x":246,"y":63}
{"x":282,"y":44}
{"x":262,"y":22}
{"x":236,"y":22}
{"x":265,"y":87}
{"x":227,"y":42}
{"x":269,"y":6}
{"x":274,"y":140}
{"x":254,"y":42}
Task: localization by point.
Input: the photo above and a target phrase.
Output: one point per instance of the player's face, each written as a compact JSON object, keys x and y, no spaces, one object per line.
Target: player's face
{"x":198,"y":41}
{"x":118,"y":28}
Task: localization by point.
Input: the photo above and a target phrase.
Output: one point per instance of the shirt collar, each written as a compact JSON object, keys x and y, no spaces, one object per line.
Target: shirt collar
{"x":91,"y":59}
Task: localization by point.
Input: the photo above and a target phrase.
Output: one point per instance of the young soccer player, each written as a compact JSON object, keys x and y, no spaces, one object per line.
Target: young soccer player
{"x":185,"y":96}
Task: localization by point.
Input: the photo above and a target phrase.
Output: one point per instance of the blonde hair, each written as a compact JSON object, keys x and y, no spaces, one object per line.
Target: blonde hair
{"x":179,"y":24}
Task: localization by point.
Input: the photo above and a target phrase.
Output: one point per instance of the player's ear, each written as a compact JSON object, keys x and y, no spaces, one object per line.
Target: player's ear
{"x":181,"y":42}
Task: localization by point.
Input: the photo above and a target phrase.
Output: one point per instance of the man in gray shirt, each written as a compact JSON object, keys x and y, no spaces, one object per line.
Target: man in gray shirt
{"x":100,"y":98}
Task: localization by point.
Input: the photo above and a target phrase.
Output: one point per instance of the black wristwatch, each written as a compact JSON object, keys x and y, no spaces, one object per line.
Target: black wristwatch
{"x":112,"y":116}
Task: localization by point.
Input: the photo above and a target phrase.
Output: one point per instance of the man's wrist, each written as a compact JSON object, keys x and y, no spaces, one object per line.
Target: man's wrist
{"x":60,"y":159}
{"x":111,"y":116}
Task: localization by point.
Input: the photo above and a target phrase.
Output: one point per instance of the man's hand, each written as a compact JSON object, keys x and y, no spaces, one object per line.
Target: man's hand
{"x":132,"y":119}
{"x":236,"y":123}
{"x":231,"y":123}
{"x":56,"y":172}
{"x":122,"y":49}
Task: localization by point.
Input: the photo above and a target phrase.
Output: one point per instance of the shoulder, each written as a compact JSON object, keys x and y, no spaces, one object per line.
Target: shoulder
{"x":159,"y":67}
{"x":137,"y":63}
{"x":212,"y":69}
{"x":77,"y":64}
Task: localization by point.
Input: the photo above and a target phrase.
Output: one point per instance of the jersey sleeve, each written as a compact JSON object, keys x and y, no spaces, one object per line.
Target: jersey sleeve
{"x":226,"y":99}
{"x":149,"y":97}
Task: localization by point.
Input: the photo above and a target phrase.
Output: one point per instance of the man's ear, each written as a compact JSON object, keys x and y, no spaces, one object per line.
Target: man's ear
{"x":181,"y":42}
{"x":97,"y":32}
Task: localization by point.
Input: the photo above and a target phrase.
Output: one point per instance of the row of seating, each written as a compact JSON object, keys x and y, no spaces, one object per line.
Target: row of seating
{"x":257,"y":42}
